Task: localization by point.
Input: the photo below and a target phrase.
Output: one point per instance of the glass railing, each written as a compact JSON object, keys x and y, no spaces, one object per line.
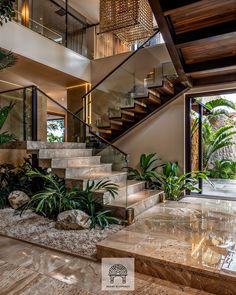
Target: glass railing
{"x":19,"y":119}
{"x":147,"y":67}
{"x":28,"y":120}
{"x":55,"y":20}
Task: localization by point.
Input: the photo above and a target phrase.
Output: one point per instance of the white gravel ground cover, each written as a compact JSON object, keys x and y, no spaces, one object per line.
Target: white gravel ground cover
{"x":41,"y":231}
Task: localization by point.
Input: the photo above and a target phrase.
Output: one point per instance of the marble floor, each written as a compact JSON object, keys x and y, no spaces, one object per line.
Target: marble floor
{"x":192,"y":242}
{"x":222,"y":187}
{"x":32,"y":270}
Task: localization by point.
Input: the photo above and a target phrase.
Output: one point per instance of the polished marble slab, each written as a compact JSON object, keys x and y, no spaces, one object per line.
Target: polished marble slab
{"x":30,"y":270}
{"x":192,"y":242}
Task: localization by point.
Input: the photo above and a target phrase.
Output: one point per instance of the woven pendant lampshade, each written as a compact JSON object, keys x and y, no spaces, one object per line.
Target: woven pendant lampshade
{"x":130,"y":20}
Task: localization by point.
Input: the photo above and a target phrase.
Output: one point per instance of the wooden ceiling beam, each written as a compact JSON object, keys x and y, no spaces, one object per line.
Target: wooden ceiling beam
{"x":210,"y":33}
{"x":174,"y":53}
{"x":210,"y":65}
{"x":170,"y":6}
{"x":211,"y":80}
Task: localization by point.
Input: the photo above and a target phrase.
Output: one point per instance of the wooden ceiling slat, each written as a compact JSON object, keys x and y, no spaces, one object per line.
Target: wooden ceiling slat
{"x":212,"y":32}
{"x":200,"y":37}
{"x":203,"y":14}
{"x":211,"y":65}
{"x":214,"y":49}
{"x":163,"y":26}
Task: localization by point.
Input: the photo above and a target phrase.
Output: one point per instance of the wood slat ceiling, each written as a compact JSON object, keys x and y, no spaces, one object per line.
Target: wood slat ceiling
{"x":200,"y":37}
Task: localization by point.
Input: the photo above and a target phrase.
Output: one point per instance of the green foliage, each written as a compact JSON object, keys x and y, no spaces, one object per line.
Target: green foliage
{"x":16,"y":178}
{"x":175,"y":185}
{"x":54,"y":199}
{"x":55,"y":127}
{"x":93,"y":206}
{"x":147,"y":169}
{"x":4,"y":112}
{"x":224,"y":169}
{"x":216,"y":105}
{"x":214,"y":140}
{"x":6,"y":10}
{"x":7,"y":59}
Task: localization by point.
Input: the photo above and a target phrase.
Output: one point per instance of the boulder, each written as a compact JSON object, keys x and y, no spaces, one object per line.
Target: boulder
{"x":73,"y":219}
{"x":17,"y":199}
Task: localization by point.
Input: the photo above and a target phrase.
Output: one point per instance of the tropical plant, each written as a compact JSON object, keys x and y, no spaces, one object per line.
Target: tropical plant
{"x":175,"y":185}
{"x":92,"y":205}
{"x":219,"y":107}
{"x":4,"y":112}
{"x":55,"y":198}
{"x":6,"y":10}
{"x":214,"y":140}
{"x":147,"y":169}
{"x":225,"y":169}
{"x":7,"y":59}
{"x":55,"y":130}
{"x":15,"y":178}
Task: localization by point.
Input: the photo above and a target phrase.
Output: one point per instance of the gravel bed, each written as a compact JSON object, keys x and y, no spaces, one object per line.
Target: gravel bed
{"x":41,"y":231}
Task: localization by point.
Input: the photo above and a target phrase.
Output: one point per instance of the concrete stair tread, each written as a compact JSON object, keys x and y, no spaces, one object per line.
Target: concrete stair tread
{"x":89,"y":166}
{"x":97,"y":176}
{"x":37,"y":145}
{"x":133,"y":198}
{"x":63,"y":153}
{"x":76,"y":158}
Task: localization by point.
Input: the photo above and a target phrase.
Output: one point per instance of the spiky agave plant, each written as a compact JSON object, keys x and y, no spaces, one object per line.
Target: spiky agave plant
{"x":4,"y":112}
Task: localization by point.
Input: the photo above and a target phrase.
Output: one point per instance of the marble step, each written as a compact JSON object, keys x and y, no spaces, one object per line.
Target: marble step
{"x":82,"y":171}
{"x":191,"y":244}
{"x":64,"y":153}
{"x":38,"y":145}
{"x":75,"y":162}
{"x":69,"y":162}
{"x":131,"y":187}
{"x":140,"y":202}
{"x":116,"y":177}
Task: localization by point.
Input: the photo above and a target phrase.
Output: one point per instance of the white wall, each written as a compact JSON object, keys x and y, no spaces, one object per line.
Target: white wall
{"x":163,"y":133}
{"x":143,"y":61}
{"x":27,"y":43}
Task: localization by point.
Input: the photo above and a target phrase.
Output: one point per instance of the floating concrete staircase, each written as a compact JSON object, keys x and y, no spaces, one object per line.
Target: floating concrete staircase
{"x":78,"y":166}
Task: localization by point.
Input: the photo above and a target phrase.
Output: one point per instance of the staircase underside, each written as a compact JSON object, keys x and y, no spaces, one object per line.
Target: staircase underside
{"x":143,"y":107}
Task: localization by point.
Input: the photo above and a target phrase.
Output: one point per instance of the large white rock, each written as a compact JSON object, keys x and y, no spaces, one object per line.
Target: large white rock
{"x":17,"y":199}
{"x":73,"y":219}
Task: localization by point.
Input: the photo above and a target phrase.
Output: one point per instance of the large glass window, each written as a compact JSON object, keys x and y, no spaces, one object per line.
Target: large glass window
{"x":54,"y":20}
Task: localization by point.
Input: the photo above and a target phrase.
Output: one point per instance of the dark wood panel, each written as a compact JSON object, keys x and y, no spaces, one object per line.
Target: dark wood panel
{"x":221,"y":72}
{"x":203,"y":14}
{"x":211,"y":66}
{"x":169,"y":6}
{"x":212,"y":32}
{"x":174,"y":53}
{"x":222,"y":47}
{"x":212,"y":80}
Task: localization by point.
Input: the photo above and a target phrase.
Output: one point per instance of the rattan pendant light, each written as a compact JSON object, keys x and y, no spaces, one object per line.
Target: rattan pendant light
{"x":130,"y":20}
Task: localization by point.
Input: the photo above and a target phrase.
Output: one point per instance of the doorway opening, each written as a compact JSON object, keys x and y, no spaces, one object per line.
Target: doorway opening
{"x":211,"y":141}
{"x":55,"y":127}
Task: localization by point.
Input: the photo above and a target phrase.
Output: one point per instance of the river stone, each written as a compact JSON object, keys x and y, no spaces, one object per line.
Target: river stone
{"x":18,"y":199}
{"x":73,"y":219}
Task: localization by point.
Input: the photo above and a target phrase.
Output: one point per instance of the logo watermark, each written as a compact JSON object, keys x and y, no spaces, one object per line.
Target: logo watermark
{"x":117,"y":274}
